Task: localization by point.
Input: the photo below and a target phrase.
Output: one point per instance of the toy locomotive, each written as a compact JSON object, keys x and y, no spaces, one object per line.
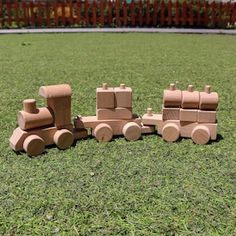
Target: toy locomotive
{"x":187,"y":113}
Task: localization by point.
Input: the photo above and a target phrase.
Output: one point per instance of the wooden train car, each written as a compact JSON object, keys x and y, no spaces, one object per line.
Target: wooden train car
{"x":189,"y":114}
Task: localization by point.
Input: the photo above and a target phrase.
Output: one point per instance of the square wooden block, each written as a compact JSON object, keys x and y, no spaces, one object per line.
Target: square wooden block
{"x":170,"y":113}
{"x":207,"y":116}
{"x":105,"y":98}
{"x":123,"y":97}
{"x":188,"y":115}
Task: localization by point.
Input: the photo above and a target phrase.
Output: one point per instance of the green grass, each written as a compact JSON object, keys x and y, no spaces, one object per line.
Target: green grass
{"x":147,"y":187}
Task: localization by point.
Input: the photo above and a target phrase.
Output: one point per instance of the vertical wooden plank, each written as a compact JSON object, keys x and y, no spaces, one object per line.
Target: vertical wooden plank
{"x":176,"y":13}
{"x":140,"y":14}
{"x":117,"y":4}
{"x":94,"y":10}
{"x":1,"y":15}
{"x":199,"y":8}
{"x":86,"y":11}
{"x":169,"y":20}
{"x":190,"y":8}
{"x":55,"y":14}
{"x":9,"y":16}
{"x":163,"y":6}
{"x":125,"y":19}
{"x":233,"y":18}
{"x":229,"y":13}
{"x":78,"y":12}
{"x":184,"y":13}
{"x":39,"y":14}
{"x":32,"y":18}
{"x":148,"y":13}
{"x":16,"y":9}
{"x":155,"y":12}
{"x":102,"y":12}
{"x":132,"y":13}
{"x":71,"y":6}
{"x":206,"y":18}
{"x":47,"y":9}
{"x":212,"y":6}
{"x":218,"y":19}
{"x":110,"y":5}
{"x":63,"y":13}
{"x":24,"y":13}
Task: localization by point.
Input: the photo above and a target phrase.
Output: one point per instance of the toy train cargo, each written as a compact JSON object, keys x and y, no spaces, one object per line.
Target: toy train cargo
{"x":189,"y":113}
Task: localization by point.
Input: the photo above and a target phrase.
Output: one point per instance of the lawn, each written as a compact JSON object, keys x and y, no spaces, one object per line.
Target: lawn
{"x":147,"y":187}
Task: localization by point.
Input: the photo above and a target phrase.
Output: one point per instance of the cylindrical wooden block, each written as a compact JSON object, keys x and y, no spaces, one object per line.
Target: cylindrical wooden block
{"x":170,"y":132}
{"x":103,"y":132}
{"x":27,"y":120}
{"x":208,"y":100}
{"x":149,"y":111}
{"x":122,"y":86}
{"x":53,"y":91}
{"x":201,"y":134}
{"x":104,"y":86}
{"x":29,"y":105}
{"x":33,"y":145}
{"x":172,"y":97}
{"x":63,"y":138}
{"x":131,"y":131}
{"x":190,"y":98}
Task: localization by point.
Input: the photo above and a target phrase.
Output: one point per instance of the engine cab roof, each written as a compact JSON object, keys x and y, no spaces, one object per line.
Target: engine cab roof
{"x":55,"y":91}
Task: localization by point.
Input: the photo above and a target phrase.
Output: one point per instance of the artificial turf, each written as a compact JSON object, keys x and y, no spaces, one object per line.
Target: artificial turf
{"x":147,"y":187}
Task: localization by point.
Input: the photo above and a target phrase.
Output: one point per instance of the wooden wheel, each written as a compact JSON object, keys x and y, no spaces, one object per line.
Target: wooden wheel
{"x":131,"y":131}
{"x":200,"y":134}
{"x":170,"y":132}
{"x":103,"y":132}
{"x":33,"y":145}
{"x":63,"y":138}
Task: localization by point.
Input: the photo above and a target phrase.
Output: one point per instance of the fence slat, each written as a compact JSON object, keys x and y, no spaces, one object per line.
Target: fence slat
{"x":199,"y":9}
{"x":47,"y":7}
{"x":117,"y":8}
{"x":169,"y":20}
{"x":94,"y":7}
{"x":176,"y":13}
{"x":140,"y":13}
{"x":9,"y":15}
{"x":110,"y":6}
{"x":86,"y":11}
{"x":155,"y":12}
{"x":191,"y":20}
{"x":78,"y":12}
{"x":102,"y":13}
{"x":132,"y":13}
{"x":206,"y":17}
{"x":148,"y":13}
{"x":125,"y":16}
{"x":163,"y":6}
{"x":184,"y":13}
{"x":1,"y":15}
{"x":212,"y":8}
{"x":71,"y":15}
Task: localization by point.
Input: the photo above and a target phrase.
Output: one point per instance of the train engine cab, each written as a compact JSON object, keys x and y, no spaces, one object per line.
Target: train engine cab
{"x":39,"y":127}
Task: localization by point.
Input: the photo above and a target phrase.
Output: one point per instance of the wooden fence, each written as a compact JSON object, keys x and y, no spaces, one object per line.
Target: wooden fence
{"x":149,"y":13}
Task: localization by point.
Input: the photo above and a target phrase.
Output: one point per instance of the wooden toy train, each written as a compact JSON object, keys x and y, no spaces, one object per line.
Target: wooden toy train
{"x":190,"y":114}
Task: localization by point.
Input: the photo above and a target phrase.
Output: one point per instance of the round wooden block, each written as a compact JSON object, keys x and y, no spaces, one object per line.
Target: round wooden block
{"x":33,"y":145}
{"x":170,"y":132}
{"x":131,"y":131}
{"x":103,"y":132}
{"x":200,"y":134}
{"x":63,"y":138}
